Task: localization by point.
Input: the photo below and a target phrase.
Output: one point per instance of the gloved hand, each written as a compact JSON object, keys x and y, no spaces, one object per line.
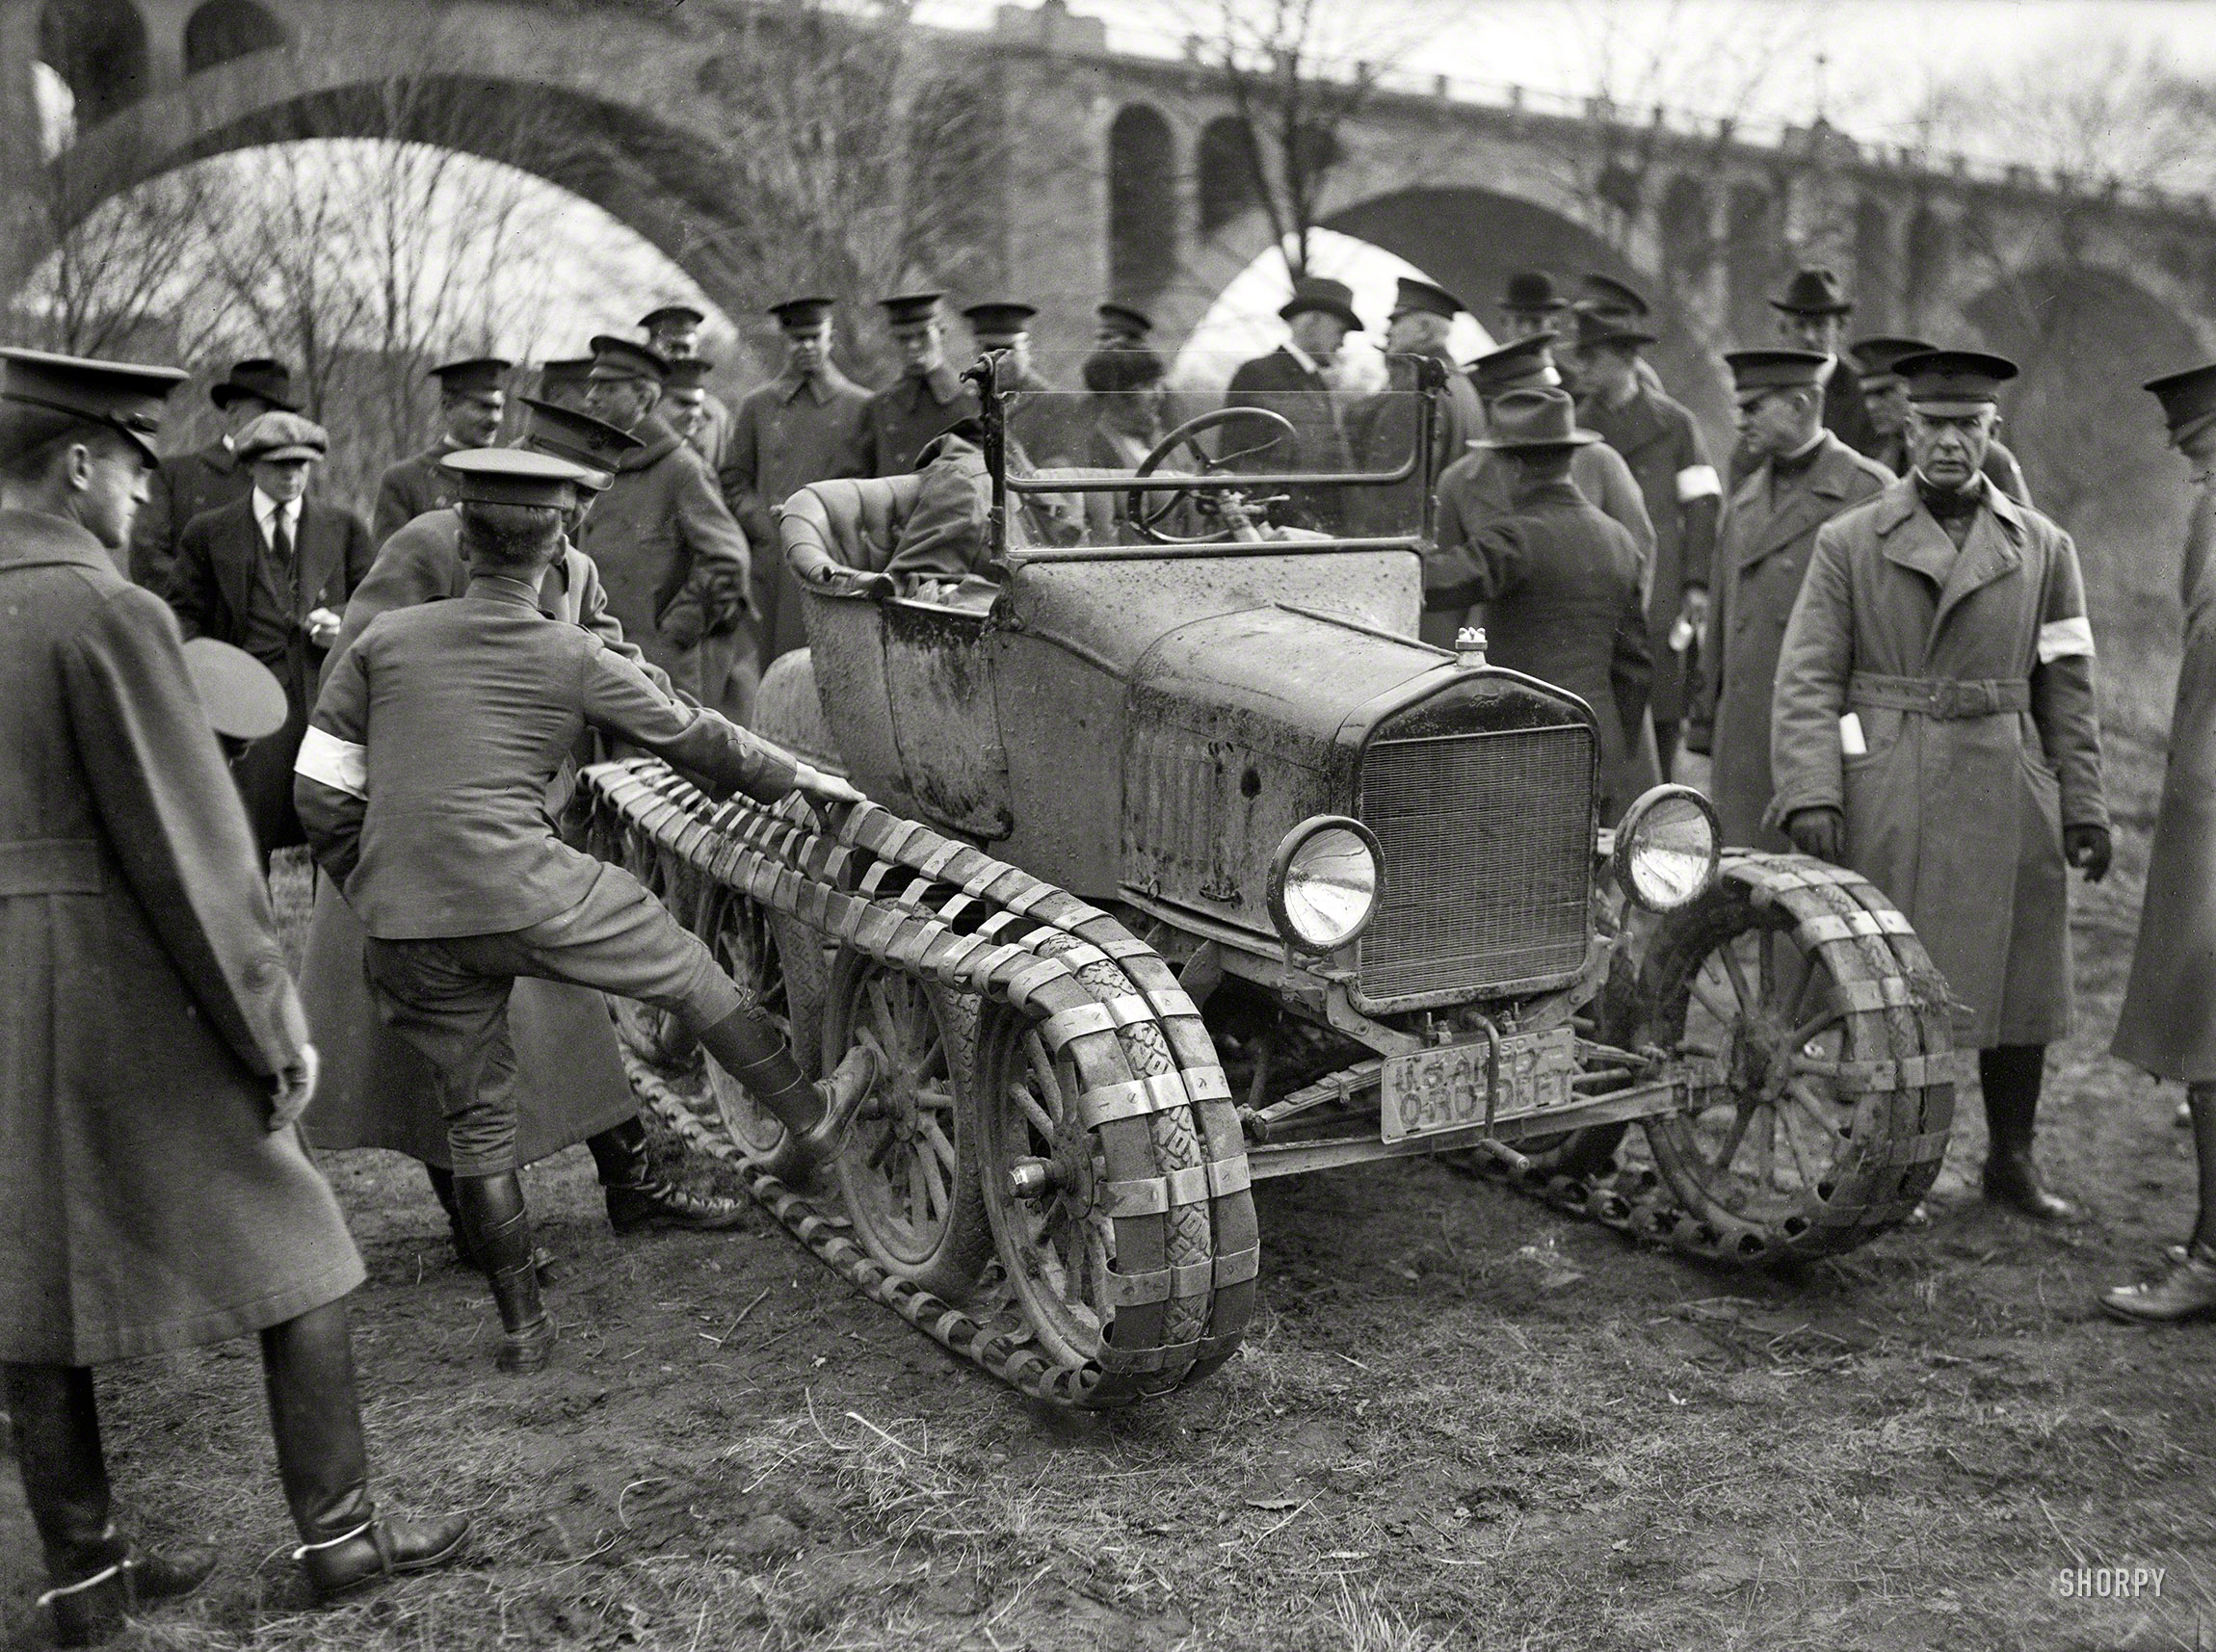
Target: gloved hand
{"x":2089,"y":848}
{"x":1820,"y":832}
{"x":684,"y":625}
{"x":293,"y":1089}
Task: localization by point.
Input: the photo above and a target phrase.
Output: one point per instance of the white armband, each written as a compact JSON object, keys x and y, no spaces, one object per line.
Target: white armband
{"x":1699,"y":482}
{"x":330,"y":761}
{"x":2058,"y":638}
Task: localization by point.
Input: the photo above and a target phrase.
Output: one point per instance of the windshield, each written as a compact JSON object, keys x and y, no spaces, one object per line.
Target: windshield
{"x":1261,"y":449}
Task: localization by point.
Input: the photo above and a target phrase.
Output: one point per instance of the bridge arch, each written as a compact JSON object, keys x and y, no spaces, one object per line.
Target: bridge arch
{"x":99,"y":48}
{"x":1143,"y":239}
{"x":1223,"y":168}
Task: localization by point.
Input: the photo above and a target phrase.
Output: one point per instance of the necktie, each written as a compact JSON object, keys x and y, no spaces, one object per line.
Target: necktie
{"x":280,"y":544}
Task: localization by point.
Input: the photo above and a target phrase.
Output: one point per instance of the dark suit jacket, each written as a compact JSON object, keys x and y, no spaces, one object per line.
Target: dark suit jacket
{"x":185,"y":485}
{"x":1844,"y":414}
{"x":211,"y":588}
{"x":1278,"y":383}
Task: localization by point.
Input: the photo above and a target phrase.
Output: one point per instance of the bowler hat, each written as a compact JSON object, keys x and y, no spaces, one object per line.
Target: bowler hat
{"x":1525,"y":364}
{"x":580,"y":439}
{"x":1322,"y":292}
{"x":1753,"y":369}
{"x":514,"y":476}
{"x":1538,"y":418}
{"x":242,"y":696}
{"x":1876,"y":357}
{"x":2187,"y":397}
{"x":1532,"y":292}
{"x":620,"y":359}
{"x":282,"y":437}
{"x":263,"y":378}
{"x":479,"y":375}
{"x":1424,"y":298}
{"x":39,"y":388}
{"x":802,"y":313}
{"x":1813,"y":292}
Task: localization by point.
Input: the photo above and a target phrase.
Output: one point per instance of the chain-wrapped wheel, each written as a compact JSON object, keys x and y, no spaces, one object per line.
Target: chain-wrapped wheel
{"x":1813,"y":1034}
{"x":909,"y":1174}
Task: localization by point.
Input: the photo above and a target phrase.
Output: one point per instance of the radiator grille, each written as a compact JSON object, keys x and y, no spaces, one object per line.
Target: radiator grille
{"x":1487,"y":844}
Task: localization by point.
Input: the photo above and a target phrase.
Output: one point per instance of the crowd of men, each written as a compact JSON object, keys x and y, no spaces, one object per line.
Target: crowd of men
{"x":1861,"y":621}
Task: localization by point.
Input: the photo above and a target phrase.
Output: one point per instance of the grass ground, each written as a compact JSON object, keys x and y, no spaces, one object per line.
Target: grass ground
{"x":1459,"y":1421}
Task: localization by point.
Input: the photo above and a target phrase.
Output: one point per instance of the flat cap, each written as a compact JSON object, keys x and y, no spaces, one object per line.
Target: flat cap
{"x":1532,"y":292}
{"x":2187,"y":397}
{"x":1527,"y":364}
{"x":479,"y":375}
{"x":906,"y":310}
{"x":1427,"y":297}
{"x":121,"y":396}
{"x":1000,"y":318}
{"x":1813,"y":292}
{"x":261,"y":377}
{"x":620,"y":359}
{"x":580,"y":439}
{"x":282,"y":437}
{"x":678,"y":315}
{"x":1126,"y":318}
{"x":1876,"y":356}
{"x":1605,"y":296}
{"x":242,"y":696}
{"x":1322,"y":292}
{"x":1538,"y":418}
{"x":810,"y":312}
{"x":1774,"y":369}
{"x":515,"y":476}
{"x":1962,"y":380}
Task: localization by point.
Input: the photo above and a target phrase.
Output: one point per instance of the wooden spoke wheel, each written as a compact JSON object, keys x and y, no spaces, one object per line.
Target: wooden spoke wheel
{"x":910,"y":1171}
{"x":742,"y":937}
{"x":1813,"y":1121}
{"x":655,"y":1035}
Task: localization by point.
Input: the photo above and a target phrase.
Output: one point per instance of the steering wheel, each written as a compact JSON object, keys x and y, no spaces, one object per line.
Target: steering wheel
{"x":1148,"y":511}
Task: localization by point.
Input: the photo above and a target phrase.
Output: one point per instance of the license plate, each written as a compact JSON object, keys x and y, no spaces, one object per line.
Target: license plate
{"x":1446,"y":1089}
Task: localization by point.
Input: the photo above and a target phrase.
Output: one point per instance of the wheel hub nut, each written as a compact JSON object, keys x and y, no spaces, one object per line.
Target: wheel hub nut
{"x":1032,"y":1178}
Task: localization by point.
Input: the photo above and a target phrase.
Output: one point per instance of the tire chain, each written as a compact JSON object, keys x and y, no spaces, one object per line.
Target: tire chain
{"x":941,"y":909}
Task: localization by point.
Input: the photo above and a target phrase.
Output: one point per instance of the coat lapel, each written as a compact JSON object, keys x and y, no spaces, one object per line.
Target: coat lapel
{"x":316,"y":557}
{"x":1813,"y":497}
{"x":235,"y":552}
{"x":1992,"y":551}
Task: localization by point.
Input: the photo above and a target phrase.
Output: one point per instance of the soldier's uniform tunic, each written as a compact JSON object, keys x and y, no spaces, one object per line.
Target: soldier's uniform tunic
{"x":903,"y":417}
{"x":416,"y":487}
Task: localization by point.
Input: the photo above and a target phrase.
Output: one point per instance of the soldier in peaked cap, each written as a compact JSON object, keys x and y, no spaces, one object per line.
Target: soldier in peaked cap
{"x":471,"y":400}
{"x":188,"y":484}
{"x":673,"y":331}
{"x":566,"y":383}
{"x":436,"y":740}
{"x":1559,"y":581}
{"x":1049,"y":427}
{"x":806,"y":425}
{"x":927,"y":400}
{"x":1661,"y":442}
{"x":1812,"y":315}
{"x":1803,"y":476}
{"x":154,"y":1057}
{"x":1531,"y":305}
{"x":1294,"y":381}
{"x":1120,"y":325}
{"x":1936,"y":729}
{"x":1885,"y":399}
{"x":685,"y":402}
{"x":2165,"y":1025}
{"x":1384,"y":429}
{"x":675,"y":562}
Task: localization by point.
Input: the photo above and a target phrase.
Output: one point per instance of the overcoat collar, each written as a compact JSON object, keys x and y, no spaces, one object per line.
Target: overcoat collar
{"x":940,"y":384}
{"x":32,"y":538}
{"x":660,"y":439}
{"x":1911,"y":537}
{"x":819,"y":387}
{"x":1808,"y":500}
{"x":1632,"y":424}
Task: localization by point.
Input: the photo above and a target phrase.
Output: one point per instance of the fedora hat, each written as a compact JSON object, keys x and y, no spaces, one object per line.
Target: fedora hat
{"x":1322,"y":292}
{"x":1813,"y":292}
{"x":1541,"y":418}
{"x":263,"y":378}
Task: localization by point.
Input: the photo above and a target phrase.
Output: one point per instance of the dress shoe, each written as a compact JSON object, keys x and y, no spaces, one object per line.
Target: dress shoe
{"x":641,"y":1201}
{"x":2187,"y":1290}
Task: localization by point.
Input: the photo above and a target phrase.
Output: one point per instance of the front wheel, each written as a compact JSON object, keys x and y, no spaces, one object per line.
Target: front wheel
{"x":1811,"y":1031}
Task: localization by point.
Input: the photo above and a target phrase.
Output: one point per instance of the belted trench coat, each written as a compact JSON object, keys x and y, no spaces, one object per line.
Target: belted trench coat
{"x":1971,"y":675}
{"x":2167,"y":1024}
{"x":145,"y":1006}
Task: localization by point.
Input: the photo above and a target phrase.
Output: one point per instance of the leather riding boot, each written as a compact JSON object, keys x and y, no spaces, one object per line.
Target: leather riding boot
{"x":307,"y":1367}
{"x":442,"y":1185}
{"x":2186,"y":1290}
{"x":500,"y":1234}
{"x":638,"y":1198}
{"x":2011,"y":1076}
{"x":96,"y":1578}
{"x":815,"y":1116}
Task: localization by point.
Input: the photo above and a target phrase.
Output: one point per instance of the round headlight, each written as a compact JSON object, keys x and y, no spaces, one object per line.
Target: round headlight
{"x":1324,"y":882}
{"x":1668,"y":847}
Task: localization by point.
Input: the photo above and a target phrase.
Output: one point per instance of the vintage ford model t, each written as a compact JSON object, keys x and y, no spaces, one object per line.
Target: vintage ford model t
{"x":1188,"y":865}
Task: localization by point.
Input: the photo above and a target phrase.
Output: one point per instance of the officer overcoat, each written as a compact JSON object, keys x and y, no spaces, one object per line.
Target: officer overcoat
{"x":673,"y":562}
{"x":2166,"y":1024}
{"x":144,"y":1004}
{"x":1971,"y":675}
{"x":787,"y":433}
{"x":377,"y":1091}
{"x":902,"y":418}
{"x":1383,"y":431}
{"x":1762,"y":552}
{"x":407,"y":490}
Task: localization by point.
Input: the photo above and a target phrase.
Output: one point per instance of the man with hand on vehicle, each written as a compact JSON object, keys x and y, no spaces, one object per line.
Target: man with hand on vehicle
{"x":1936,"y":729}
{"x":424,"y":781}
{"x":153,"y":1058}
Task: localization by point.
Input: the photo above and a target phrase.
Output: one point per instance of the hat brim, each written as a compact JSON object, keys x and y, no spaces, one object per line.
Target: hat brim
{"x":1630,"y":336}
{"x":1531,"y":444}
{"x":281,"y":454}
{"x":1783,"y":307}
{"x":1344,"y":312}
{"x":224,"y":394}
{"x":241,"y":695}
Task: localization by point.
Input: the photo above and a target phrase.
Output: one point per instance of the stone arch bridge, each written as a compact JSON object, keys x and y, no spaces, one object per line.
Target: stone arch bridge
{"x":1113,"y":173}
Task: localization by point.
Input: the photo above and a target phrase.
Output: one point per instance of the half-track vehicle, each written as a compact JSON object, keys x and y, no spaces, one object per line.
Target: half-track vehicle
{"x":1187,"y":864}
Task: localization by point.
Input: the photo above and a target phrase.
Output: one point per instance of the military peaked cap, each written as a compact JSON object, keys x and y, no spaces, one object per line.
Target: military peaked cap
{"x":1425,"y":297}
{"x":908,"y":308}
{"x":571,"y":370}
{"x":1753,"y":369}
{"x":1538,"y":418}
{"x":620,"y":359}
{"x":1133,"y":323}
{"x":282,"y":437}
{"x":1532,"y":292}
{"x":1876,"y":357}
{"x":480,"y":376}
{"x":580,"y":439}
{"x":1618,"y":300}
{"x":684,"y":315}
{"x":2187,"y":397}
{"x":242,"y":696}
{"x":802,"y":313}
{"x":1596,"y":328}
{"x":119,"y":395}
{"x":262,"y":377}
{"x":999,"y":319}
{"x":690,"y":372}
{"x":1814,"y":292}
{"x":1961,"y":379}
{"x":1322,"y":292}
{"x":515,"y":476}
{"x":1526,"y":364}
